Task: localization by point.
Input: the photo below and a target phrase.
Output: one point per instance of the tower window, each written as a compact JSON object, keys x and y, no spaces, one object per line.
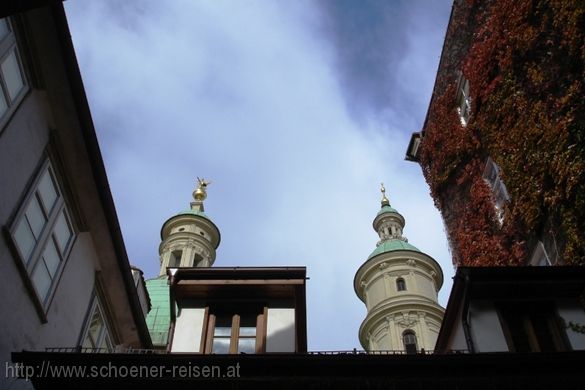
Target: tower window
{"x":400,"y":284}
{"x":175,"y":260}
{"x":409,"y":340}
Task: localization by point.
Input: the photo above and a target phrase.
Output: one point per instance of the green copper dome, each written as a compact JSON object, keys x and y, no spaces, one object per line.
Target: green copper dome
{"x":393,"y":245}
{"x":194,"y":212}
{"x":158,"y":319}
{"x":387,"y":209}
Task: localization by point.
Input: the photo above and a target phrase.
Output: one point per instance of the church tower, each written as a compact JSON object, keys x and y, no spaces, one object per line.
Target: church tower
{"x":188,"y":239}
{"x":399,"y":285}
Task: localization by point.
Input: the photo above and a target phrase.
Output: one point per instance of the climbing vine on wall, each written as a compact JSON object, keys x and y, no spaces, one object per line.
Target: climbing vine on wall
{"x":524,"y":60}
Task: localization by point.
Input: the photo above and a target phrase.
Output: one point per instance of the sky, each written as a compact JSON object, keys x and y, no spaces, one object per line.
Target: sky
{"x":295,"y":110}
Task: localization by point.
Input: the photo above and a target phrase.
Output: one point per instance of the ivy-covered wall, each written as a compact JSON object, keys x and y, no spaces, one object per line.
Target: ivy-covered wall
{"x":524,"y":60}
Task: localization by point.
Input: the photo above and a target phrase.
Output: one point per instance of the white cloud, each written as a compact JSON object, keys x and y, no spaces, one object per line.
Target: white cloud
{"x":244,"y":93}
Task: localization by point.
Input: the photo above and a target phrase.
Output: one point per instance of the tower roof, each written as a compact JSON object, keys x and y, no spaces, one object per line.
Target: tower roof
{"x":193,"y":212}
{"x":387,"y":209}
{"x":393,"y":245}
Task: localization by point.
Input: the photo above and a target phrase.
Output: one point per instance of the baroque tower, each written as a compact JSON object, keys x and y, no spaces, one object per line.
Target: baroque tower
{"x":399,"y":285}
{"x":188,"y":239}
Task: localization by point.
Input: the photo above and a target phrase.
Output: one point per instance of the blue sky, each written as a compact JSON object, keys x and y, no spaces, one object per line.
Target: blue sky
{"x":296,"y":110}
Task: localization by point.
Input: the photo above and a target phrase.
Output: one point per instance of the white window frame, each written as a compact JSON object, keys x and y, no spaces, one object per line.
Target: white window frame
{"x":492,"y":177}
{"x":463,"y":100}
{"x":8,"y":46}
{"x":46,"y":240}
{"x":103,"y":341}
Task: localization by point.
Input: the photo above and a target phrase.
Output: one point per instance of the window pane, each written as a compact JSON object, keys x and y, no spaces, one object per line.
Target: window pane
{"x":62,"y":232}
{"x":3,"y":28}
{"x":41,"y":280}
{"x":35,"y":217}
{"x":221,"y":345}
{"x":87,"y":343}
{"x":47,"y":191}
{"x":51,"y":258}
{"x":95,"y":326}
{"x":247,"y":345}
{"x":12,"y":76}
{"x":107,"y":343}
{"x":247,"y":331}
{"x":24,"y":239}
{"x":222,"y":331}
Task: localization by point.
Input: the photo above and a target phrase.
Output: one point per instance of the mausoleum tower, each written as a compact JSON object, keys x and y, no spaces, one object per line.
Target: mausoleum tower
{"x":189,"y":238}
{"x":399,"y":285}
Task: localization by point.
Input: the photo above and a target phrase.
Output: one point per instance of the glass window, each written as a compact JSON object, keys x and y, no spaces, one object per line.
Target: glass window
{"x":492,"y":177}
{"x":463,"y":100}
{"x":12,"y":76}
{"x":51,"y":258}
{"x":222,"y":334}
{"x":247,"y":334}
{"x":47,"y":191}
{"x":43,"y":233}
{"x":409,"y":339}
{"x":234,"y":331}
{"x":41,"y":279}
{"x":63,"y":232}
{"x":400,"y":284}
{"x":35,"y":217}
{"x":96,"y":335}
{"x":25,"y":240}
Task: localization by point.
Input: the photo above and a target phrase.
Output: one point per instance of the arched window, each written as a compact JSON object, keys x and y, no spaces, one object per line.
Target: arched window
{"x":409,"y":339}
{"x":400,"y":284}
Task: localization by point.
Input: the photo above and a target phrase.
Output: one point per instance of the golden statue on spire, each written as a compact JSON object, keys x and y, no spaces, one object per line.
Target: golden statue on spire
{"x":385,"y":201}
{"x":200,"y":193}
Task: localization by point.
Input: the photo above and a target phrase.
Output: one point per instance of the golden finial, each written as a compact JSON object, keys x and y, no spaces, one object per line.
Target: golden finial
{"x":385,"y":201}
{"x":200,"y":193}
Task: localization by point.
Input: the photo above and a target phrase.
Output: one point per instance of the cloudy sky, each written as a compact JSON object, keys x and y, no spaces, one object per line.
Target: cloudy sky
{"x":296,"y":110}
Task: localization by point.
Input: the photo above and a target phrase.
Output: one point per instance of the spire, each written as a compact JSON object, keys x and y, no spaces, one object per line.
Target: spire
{"x":385,"y":201}
{"x":200,"y":194}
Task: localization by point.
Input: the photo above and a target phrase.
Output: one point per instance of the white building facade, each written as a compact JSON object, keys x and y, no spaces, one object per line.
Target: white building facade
{"x":65,"y":279}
